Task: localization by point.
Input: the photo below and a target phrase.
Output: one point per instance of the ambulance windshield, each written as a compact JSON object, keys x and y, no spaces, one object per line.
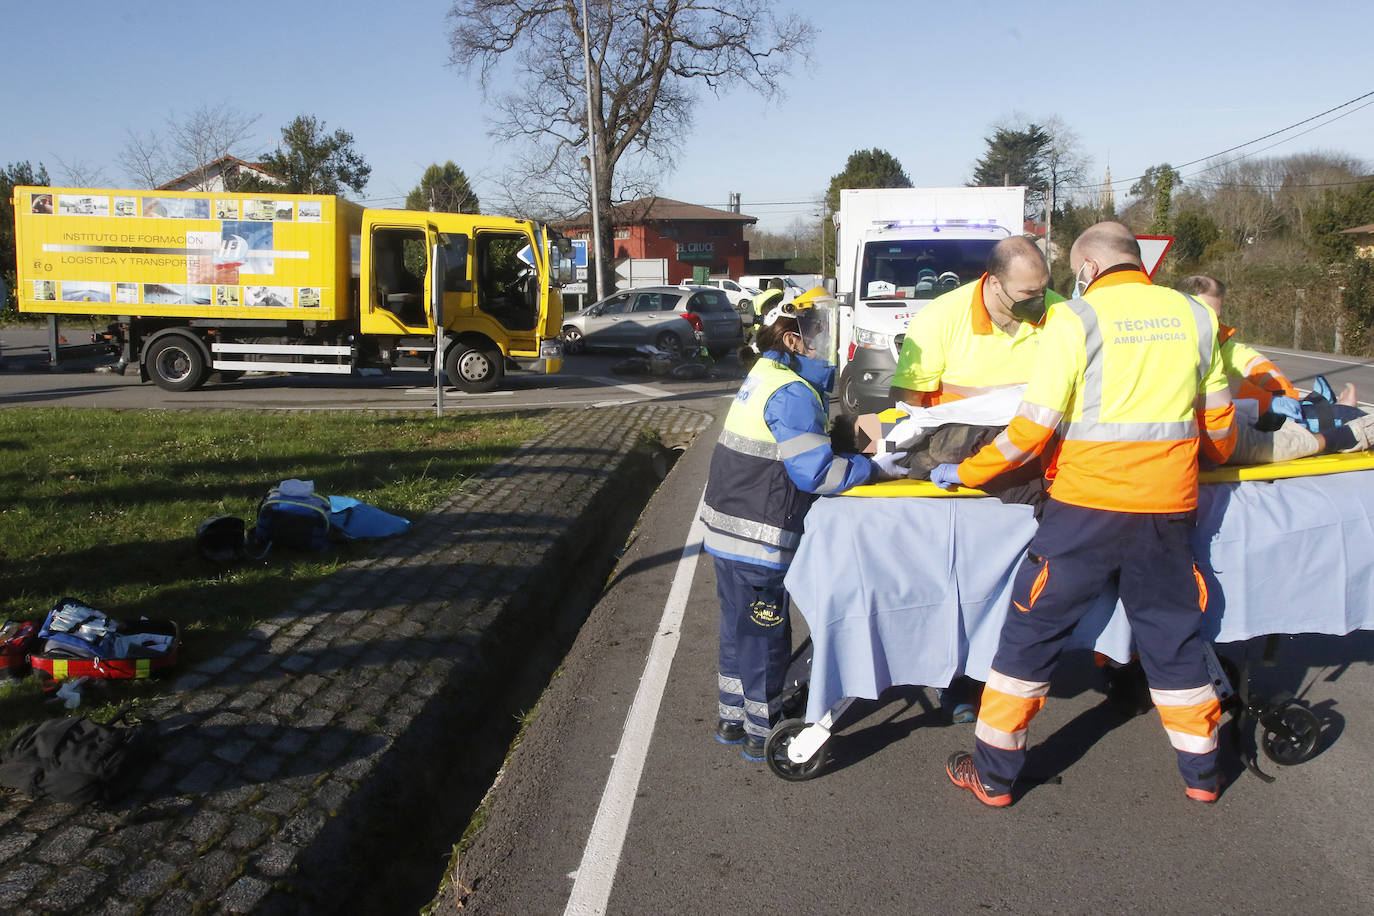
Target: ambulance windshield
{"x":901,"y":269}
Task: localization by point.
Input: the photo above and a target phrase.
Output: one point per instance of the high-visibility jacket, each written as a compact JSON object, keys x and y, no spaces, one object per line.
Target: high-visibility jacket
{"x":1122,"y":375}
{"x":952,"y":349}
{"x":772,"y":456}
{"x":1258,"y":377}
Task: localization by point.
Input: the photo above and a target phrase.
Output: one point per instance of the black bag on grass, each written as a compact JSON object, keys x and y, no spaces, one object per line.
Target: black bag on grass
{"x":294,"y":521}
{"x":77,"y":760}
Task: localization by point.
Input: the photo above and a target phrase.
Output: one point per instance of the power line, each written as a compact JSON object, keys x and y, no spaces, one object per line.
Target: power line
{"x":1242,"y":145}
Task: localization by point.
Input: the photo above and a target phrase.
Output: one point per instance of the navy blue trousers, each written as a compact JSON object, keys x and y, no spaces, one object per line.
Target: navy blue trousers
{"x":755,"y":643}
{"x":1075,"y":554}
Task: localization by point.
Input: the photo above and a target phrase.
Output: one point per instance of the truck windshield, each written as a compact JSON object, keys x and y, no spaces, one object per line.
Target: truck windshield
{"x":900,"y":269}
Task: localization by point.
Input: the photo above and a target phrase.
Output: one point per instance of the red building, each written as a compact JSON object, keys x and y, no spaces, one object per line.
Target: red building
{"x":685,"y":235}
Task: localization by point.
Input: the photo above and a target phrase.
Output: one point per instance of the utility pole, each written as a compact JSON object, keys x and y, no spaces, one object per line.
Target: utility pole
{"x":592,"y":169}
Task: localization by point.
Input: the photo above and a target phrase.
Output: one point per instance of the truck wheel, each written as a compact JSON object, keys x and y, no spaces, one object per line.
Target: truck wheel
{"x":474,"y":369}
{"x":175,"y":363}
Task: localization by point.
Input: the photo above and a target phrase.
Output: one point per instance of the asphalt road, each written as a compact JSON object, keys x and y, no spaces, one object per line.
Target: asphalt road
{"x":620,"y":801}
{"x":697,"y":829}
{"x":585,"y":380}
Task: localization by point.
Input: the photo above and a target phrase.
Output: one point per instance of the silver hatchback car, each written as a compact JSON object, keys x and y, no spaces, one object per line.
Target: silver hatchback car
{"x":672,"y":318}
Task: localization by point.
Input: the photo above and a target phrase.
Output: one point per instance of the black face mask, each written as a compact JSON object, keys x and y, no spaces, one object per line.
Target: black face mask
{"x":1031,"y":309}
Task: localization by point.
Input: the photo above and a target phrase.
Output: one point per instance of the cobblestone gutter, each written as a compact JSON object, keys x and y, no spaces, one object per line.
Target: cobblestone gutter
{"x":324,"y":762}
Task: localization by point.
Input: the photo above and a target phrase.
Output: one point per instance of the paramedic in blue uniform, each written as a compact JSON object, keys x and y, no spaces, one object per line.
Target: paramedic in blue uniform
{"x":774,"y":456}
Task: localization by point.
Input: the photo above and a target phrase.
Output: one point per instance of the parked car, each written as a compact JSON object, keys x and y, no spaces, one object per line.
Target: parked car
{"x":672,"y":318}
{"x":791,"y":289}
{"x":740,"y":296}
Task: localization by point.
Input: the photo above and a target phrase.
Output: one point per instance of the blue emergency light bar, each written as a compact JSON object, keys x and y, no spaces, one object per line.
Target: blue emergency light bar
{"x":938,"y":224}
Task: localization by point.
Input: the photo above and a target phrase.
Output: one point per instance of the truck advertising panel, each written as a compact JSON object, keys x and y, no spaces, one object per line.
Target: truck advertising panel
{"x":183,"y":254}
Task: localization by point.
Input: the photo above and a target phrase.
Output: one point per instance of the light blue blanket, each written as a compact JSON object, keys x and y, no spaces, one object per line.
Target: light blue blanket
{"x":914,"y":591}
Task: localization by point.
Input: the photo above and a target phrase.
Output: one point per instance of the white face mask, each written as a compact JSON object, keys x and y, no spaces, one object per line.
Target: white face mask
{"x":1080,"y":286}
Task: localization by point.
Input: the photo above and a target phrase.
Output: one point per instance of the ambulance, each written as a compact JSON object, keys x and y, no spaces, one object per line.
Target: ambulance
{"x":898,"y":249}
{"x":198,"y":283}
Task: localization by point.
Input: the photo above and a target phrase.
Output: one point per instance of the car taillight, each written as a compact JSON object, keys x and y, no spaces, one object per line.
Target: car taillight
{"x":694,"y":320}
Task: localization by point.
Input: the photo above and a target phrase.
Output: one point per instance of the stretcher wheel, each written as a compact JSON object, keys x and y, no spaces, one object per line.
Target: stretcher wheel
{"x":775,"y":752}
{"x":1290,"y":737}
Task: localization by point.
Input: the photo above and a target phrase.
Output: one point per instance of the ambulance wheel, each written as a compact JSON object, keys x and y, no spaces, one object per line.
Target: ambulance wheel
{"x":175,"y":363}
{"x":775,"y":753}
{"x":475,"y":369}
{"x":1293,"y":739}
{"x":849,"y":399}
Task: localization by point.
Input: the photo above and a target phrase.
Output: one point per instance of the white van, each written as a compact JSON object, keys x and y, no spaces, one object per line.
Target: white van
{"x":741,"y":296}
{"x":791,"y":289}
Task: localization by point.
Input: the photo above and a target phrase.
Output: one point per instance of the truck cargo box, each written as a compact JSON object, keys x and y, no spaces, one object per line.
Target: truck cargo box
{"x":186,"y":254}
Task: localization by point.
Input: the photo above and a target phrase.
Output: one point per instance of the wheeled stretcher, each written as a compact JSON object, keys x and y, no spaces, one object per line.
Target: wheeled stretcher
{"x":913,"y":591}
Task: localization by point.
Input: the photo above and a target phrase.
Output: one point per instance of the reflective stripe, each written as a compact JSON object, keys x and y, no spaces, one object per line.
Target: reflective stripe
{"x":1039,"y":415}
{"x":1191,"y":744}
{"x":1218,"y":398}
{"x":1009,"y":450}
{"x":743,"y":527}
{"x":143,"y":667}
{"x":729,"y":713}
{"x":1015,"y":687}
{"x":1092,"y":372}
{"x":59,"y":668}
{"x":969,"y":391}
{"x":1201,"y":317}
{"x":1172,"y":431}
{"x":756,"y":709}
{"x":725,"y":545}
{"x":801,"y":444}
{"x":1038,"y":586}
{"x":736,"y":442}
{"x":731,"y":685}
{"x":1190,"y":696}
{"x":1007,"y":741}
{"x":1219,"y":435}
{"x":834,"y":476}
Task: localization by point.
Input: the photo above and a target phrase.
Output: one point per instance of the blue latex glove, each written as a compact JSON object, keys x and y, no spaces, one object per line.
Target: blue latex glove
{"x":888,"y":468}
{"x":1286,"y":407}
{"x":946,"y":476}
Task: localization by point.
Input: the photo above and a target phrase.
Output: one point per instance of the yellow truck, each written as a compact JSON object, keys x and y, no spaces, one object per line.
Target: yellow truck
{"x":199,"y":282}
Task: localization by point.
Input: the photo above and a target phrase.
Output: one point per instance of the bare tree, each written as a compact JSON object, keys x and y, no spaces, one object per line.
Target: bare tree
{"x":646,"y":62}
{"x":1066,"y":166}
{"x":187,"y":145}
{"x":79,"y":173}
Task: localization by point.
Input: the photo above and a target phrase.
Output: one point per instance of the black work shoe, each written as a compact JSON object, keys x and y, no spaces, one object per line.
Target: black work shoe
{"x":964,"y":774}
{"x":728,"y":732}
{"x":753,"y":748}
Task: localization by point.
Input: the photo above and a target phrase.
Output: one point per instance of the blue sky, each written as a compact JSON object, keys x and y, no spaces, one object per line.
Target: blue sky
{"x":1139,"y":83}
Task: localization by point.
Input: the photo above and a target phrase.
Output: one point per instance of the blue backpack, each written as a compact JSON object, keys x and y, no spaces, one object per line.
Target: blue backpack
{"x":299,"y":522}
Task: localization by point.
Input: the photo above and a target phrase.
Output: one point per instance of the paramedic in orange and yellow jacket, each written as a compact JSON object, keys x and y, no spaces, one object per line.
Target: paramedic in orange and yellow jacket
{"x":1130,"y":376}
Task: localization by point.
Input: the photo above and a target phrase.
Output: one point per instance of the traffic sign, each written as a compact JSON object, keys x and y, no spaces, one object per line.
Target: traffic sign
{"x":579,"y":252}
{"x":1152,"y":251}
{"x":526,"y":254}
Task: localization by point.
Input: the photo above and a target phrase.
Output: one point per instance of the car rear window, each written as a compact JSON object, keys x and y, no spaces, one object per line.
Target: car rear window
{"x":710,"y":301}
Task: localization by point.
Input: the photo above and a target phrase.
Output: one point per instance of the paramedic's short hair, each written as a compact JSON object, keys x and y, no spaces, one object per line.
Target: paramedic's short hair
{"x":1008,"y":251}
{"x":1201,"y":285}
{"x":1108,"y":243}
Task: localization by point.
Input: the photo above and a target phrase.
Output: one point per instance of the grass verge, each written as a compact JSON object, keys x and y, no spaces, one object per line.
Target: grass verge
{"x":103,"y":505}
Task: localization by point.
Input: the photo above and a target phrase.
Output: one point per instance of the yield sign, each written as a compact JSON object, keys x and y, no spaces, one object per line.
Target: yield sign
{"x":1152,"y":251}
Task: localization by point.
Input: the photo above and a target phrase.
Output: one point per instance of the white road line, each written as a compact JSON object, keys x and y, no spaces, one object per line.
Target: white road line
{"x":596,"y":873}
{"x":1325,"y":359}
{"x":637,"y":389}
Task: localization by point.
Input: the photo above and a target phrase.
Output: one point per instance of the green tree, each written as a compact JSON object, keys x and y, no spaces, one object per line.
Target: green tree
{"x":646,"y":64}
{"x":11,"y":176}
{"x":1193,"y":233}
{"x":312,"y":161}
{"x":1155,"y":189}
{"x":1017,"y":157}
{"x":444,"y":188}
{"x":865,"y":168}
{"x":1164,"y":197}
{"x":1340,"y":209}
